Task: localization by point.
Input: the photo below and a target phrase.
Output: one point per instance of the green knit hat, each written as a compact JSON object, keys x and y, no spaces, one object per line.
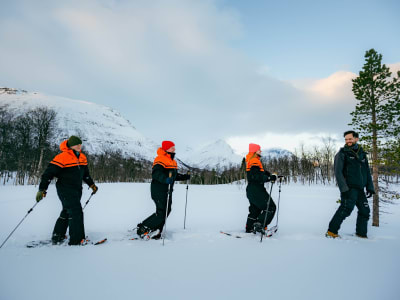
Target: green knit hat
{"x":73,"y":141}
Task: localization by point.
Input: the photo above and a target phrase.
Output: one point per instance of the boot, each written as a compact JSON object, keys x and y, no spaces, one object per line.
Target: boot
{"x":142,"y":231}
{"x":258,"y":227}
{"x":57,"y":239}
{"x":332,"y":235}
{"x":361,"y":236}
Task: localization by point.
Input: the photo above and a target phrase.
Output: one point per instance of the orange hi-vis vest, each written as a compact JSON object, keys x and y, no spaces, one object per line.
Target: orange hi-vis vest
{"x":252,"y":160}
{"x":68,"y":158}
{"x":164,"y":159}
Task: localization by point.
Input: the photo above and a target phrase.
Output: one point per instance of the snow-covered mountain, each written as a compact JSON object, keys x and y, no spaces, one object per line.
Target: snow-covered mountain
{"x":101,"y":127}
{"x":216,"y":155}
{"x":272,"y":153}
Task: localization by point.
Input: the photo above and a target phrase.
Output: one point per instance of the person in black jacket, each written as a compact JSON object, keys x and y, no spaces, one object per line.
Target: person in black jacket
{"x":260,"y":200}
{"x":353,"y":176}
{"x":164,"y":174}
{"x":70,"y":167}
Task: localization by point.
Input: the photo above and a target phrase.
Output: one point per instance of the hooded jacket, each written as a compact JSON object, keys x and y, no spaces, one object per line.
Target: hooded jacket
{"x":163,"y":164}
{"x":255,"y":170}
{"x":69,"y":168}
{"x":352,"y":169}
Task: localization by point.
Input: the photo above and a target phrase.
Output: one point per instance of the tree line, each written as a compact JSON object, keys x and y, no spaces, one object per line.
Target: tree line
{"x":28,"y":144}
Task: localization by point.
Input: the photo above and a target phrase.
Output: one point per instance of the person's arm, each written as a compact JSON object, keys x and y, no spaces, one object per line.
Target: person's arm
{"x":370,"y":184}
{"x":86,"y":176}
{"x":182,"y":177}
{"x":338,"y":166}
{"x":51,"y":171}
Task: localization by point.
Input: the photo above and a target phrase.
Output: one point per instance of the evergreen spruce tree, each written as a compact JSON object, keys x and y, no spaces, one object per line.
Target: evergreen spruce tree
{"x":375,"y":114}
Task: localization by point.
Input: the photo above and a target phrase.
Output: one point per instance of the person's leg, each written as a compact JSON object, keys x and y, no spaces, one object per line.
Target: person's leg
{"x":363,"y":214}
{"x":270,"y":213}
{"x":254,"y":212}
{"x":60,"y":228}
{"x":346,"y":207}
{"x":157,"y":219}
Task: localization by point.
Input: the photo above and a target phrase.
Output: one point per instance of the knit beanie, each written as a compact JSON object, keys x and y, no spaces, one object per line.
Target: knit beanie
{"x":73,"y":141}
{"x":254,"y":148}
{"x":167,"y":144}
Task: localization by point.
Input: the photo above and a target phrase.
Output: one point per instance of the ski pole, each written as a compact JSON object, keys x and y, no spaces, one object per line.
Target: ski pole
{"x":166,"y":212}
{"x":88,"y":201}
{"x":29,"y":211}
{"x":187,"y":188}
{"x":266,"y":212}
{"x":279,"y":200}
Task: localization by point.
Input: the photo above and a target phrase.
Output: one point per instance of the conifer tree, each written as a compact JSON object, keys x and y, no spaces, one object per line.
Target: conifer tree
{"x":374,"y":116}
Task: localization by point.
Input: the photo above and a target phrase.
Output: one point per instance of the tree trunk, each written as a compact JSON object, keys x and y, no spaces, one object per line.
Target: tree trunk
{"x":375,"y":205}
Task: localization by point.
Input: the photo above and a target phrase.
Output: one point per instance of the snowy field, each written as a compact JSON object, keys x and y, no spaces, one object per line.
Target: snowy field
{"x":199,"y":262}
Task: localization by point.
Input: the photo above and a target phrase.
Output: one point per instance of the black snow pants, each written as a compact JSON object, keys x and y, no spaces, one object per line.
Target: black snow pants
{"x":157,"y":220}
{"x":71,"y":216}
{"x":258,"y":198}
{"x":355,"y":197}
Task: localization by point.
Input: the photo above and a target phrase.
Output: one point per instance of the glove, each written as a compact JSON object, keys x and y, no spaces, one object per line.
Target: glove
{"x":273,"y":178}
{"x":186,"y":176}
{"x":169,"y":180}
{"x":40,"y":195}
{"x":369,"y":194}
{"x":94,"y":188}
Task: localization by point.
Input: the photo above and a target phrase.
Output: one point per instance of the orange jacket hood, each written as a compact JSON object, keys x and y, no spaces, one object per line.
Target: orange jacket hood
{"x":252,"y":159}
{"x":165,"y":160}
{"x":67,"y":157}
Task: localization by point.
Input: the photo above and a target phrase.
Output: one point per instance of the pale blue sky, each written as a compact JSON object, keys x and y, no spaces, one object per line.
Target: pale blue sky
{"x":272,"y":72}
{"x":298,"y":39}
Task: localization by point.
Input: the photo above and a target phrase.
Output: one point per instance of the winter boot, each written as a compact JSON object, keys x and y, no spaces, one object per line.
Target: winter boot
{"x":57,"y":239}
{"x":331,"y":235}
{"x":142,"y":231}
{"x":257,"y":227}
{"x":361,"y":236}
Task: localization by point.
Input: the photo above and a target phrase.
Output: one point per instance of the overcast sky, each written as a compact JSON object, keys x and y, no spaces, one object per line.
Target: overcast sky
{"x":195,"y":71}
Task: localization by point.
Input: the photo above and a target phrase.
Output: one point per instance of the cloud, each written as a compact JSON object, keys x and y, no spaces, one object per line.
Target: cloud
{"x":334,"y":87}
{"x":171,"y":67}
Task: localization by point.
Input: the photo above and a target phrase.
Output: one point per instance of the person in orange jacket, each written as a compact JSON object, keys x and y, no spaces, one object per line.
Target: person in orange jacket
{"x":164,"y":174}
{"x":256,"y":192}
{"x":71,"y":168}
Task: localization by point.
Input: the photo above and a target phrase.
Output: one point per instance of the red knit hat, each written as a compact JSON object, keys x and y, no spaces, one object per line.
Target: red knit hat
{"x":254,"y":147}
{"x":167,"y":144}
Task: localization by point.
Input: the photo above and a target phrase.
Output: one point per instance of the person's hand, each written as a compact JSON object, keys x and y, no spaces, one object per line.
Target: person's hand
{"x":369,"y":194}
{"x":186,"y":176}
{"x":273,"y":178}
{"x":169,"y":180}
{"x":40,"y":195}
{"x":94,"y":188}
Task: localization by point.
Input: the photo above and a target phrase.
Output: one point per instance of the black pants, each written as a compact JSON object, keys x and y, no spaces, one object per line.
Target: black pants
{"x":258,"y":198}
{"x":356,"y":197}
{"x":157,"y":220}
{"x":71,"y":216}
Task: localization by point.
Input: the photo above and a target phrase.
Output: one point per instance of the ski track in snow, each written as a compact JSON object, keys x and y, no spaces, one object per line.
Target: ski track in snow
{"x":199,"y":262}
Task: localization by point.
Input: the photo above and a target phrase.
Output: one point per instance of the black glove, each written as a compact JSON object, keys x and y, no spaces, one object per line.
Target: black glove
{"x":169,"y":180}
{"x":40,"y":195}
{"x":186,"y":176}
{"x":369,"y":194}
{"x":94,"y":188}
{"x":273,"y":178}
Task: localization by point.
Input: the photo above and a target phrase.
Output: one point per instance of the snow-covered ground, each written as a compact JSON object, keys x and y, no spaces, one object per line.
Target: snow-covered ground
{"x":199,"y":262}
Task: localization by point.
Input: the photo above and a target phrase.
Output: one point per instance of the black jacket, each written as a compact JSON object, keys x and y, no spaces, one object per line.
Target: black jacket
{"x":352,"y":169}
{"x":159,"y":187}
